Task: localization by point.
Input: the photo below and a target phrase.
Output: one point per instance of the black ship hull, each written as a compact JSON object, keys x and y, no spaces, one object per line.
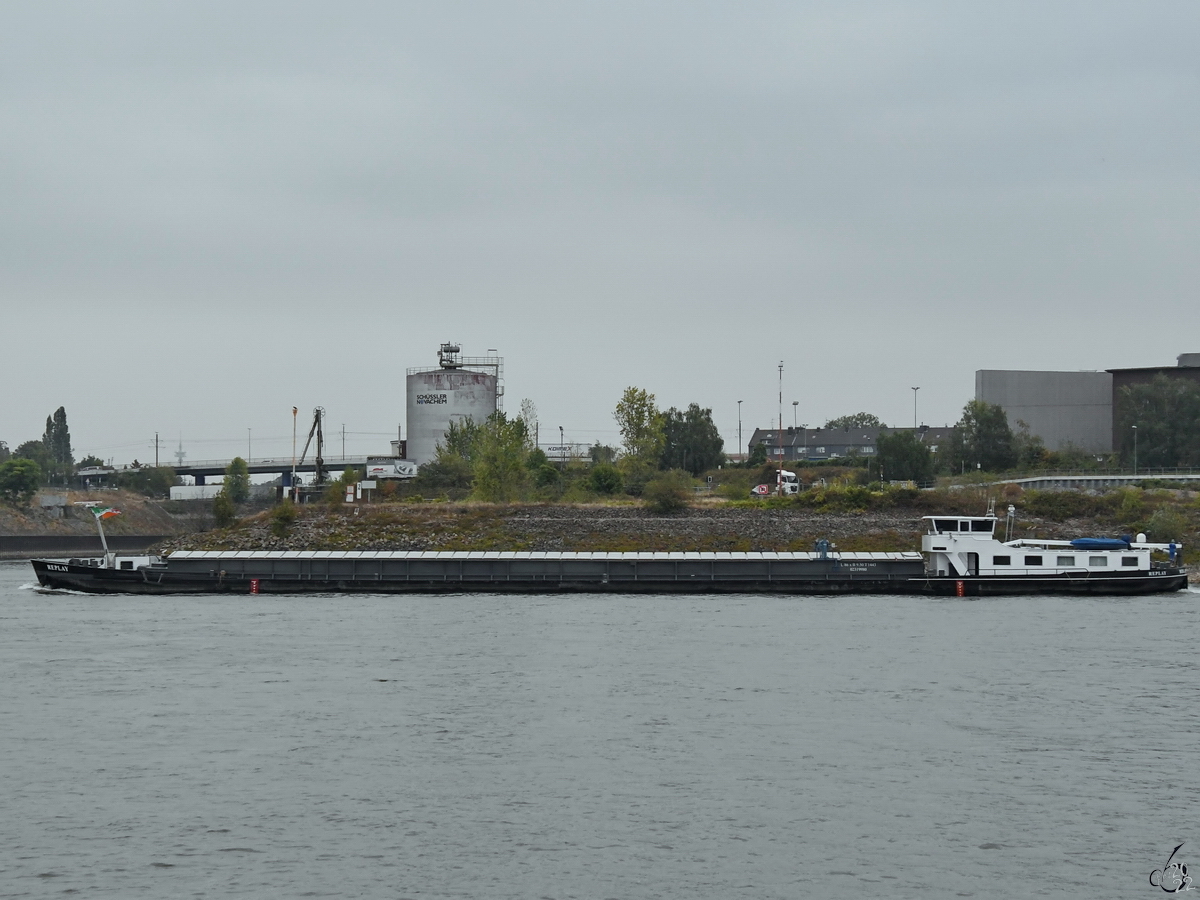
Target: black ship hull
{"x":570,"y":573}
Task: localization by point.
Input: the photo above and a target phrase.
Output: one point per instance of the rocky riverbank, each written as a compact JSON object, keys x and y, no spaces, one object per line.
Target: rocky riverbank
{"x":619,"y":527}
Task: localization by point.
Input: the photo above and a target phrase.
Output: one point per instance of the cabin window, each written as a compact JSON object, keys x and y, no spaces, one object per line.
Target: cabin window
{"x":1066,"y":561}
{"x":1129,"y":561}
{"x":964,"y":526}
{"x":1097,"y":560}
{"x":127,"y":564}
{"x":1001,"y":560}
{"x":944,"y":525}
{"x":1033,"y":560}
{"x":984,"y":525}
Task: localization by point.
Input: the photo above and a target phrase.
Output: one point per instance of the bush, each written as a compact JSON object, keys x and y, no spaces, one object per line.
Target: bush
{"x":668,"y":492}
{"x":604,"y":478}
{"x":223,"y":510}
{"x":1061,"y":505}
{"x":547,"y":476}
{"x":1132,"y":510}
{"x":1166,"y":525}
{"x":283,"y":517}
{"x":443,"y":474}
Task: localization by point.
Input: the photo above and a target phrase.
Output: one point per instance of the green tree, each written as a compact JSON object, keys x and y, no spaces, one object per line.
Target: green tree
{"x":4,"y":452}
{"x":500,"y":451}
{"x":602,"y":453}
{"x":1029,"y":448}
{"x":58,"y":440}
{"x":642,"y":434}
{"x":461,"y":440}
{"x":19,"y":480}
{"x":237,"y":480}
{"x":691,"y":440}
{"x":37,"y":452}
{"x":904,"y":457}
{"x":1167,"y":415}
{"x":90,"y":461}
{"x":982,"y":439}
{"x":758,"y":455}
{"x":857,"y":420}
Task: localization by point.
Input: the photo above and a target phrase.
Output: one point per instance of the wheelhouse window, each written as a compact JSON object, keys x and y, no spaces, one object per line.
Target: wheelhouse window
{"x":1097,"y":561}
{"x":945,"y":525}
{"x":1066,"y":561}
{"x":1131,"y":561}
{"x":1001,"y":560}
{"x":984,"y":525}
{"x":1033,"y":560}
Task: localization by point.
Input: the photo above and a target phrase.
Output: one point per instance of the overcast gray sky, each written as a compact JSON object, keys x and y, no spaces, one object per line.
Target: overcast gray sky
{"x":213,"y":212}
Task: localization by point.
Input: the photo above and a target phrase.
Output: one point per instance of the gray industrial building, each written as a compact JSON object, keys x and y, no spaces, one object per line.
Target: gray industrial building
{"x":1072,"y":408}
{"x":1062,"y":408}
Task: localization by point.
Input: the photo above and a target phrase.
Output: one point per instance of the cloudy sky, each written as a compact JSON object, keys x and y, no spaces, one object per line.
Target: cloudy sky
{"x":213,"y":212}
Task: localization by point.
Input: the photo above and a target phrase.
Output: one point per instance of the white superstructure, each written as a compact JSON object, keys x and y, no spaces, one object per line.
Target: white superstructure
{"x":962,"y":546}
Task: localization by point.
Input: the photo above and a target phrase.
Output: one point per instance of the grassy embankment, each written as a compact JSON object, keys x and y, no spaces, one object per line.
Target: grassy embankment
{"x":855,"y":517}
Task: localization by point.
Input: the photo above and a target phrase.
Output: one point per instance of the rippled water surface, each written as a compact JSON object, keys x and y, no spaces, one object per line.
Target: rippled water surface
{"x":574,"y":746}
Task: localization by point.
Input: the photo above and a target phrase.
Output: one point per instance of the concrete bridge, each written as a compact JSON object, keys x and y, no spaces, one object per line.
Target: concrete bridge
{"x":200,"y":469}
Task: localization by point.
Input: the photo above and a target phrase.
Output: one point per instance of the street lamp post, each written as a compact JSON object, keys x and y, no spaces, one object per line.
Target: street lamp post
{"x":795,"y":407}
{"x":562,"y":449}
{"x":779,"y":471}
{"x":1135,"y":450}
{"x":914,"y":390}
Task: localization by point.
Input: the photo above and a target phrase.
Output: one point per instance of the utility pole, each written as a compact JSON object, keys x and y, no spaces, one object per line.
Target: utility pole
{"x":740,"y":429}
{"x":249,"y":454}
{"x":343,"y":442}
{"x":1135,"y":450}
{"x":914,"y":390}
{"x":562,"y":448}
{"x":156,"y":449}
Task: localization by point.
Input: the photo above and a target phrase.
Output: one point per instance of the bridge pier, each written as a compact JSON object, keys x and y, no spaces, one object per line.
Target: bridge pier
{"x":287,"y":479}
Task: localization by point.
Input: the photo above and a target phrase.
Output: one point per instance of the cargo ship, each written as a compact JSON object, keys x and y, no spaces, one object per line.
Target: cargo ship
{"x":960,"y":556}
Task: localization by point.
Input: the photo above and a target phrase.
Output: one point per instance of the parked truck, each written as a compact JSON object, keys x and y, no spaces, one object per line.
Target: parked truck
{"x":786,"y":485}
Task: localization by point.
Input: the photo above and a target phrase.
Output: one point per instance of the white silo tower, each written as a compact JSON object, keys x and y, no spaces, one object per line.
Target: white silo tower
{"x":458,"y":388}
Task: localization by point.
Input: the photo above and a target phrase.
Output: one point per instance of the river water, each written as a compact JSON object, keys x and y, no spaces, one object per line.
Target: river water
{"x":594,"y":747}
